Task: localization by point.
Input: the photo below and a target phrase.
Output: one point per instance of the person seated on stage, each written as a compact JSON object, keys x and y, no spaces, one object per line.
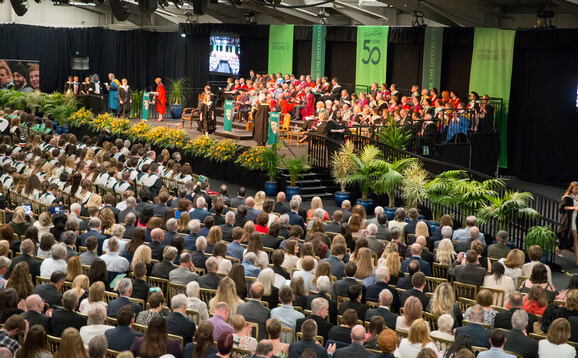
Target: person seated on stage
{"x":318,"y":128}
{"x":244,"y":105}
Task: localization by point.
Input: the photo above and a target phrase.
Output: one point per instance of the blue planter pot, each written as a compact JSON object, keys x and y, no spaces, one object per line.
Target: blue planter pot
{"x":434,"y":224}
{"x":58,"y":129}
{"x":176,"y":111}
{"x":55,"y":124}
{"x":340,"y":196}
{"x":65,"y":129}
{"x":271,"y":188}
{"x":292,"y":190}
{"x":368,"y":204}
{"x":390,"y":212}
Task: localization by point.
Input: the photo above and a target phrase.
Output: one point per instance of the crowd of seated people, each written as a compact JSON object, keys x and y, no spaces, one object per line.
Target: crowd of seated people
{"x":186,"y":272}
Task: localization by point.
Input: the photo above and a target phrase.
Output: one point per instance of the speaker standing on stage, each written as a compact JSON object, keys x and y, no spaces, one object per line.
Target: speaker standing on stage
{"x":261,"y":119}
{"x":113,"y":92}
{"x":567,"y":231}
{"x":125,"y":98}
{"x":161,"y":98}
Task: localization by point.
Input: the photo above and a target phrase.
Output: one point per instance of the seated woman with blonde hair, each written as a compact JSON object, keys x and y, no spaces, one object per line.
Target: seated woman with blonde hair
{"x":412,"y":310}
{"x":417,"y":339}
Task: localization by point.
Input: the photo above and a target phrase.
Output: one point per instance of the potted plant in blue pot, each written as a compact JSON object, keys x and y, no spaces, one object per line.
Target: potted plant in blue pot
{"x":271,"y":159}
{"x":178,"y":90}
{"x":341,"y":168}
{"x":295,"y":166}
{"x":367,"y":168}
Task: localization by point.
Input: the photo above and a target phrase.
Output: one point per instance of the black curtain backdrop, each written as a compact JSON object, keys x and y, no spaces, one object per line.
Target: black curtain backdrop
{"x":140,"y":56}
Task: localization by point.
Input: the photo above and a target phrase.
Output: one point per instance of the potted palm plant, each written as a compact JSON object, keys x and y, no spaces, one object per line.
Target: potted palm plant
{"x":271,"y":159}
{"x":440,"y":191}
{"x":415,"y":178}
{"x":391,"y":178}
{"x":501,"y":211}
{"x":295,"y":166}
{"x":341,"y":168}
{"x":368,"y":166}
{"x":178,"y":90}
{"x":542,"y":236}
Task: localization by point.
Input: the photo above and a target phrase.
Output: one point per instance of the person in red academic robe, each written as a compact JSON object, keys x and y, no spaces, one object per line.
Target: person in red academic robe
{"x":161,"y":98}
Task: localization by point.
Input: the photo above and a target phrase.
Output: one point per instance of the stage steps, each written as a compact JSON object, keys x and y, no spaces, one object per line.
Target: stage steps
{"x":310,"y":185}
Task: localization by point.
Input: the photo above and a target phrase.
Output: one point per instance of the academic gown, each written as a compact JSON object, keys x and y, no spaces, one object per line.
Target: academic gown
{"x":261,"y":121}
{"x":113,"y":94}
{"x":124,"y":95}
{"x":161,"y":99}
{"x":206,"y":118}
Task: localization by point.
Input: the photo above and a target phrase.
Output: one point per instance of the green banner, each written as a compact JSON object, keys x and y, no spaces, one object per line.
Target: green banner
{"x":318,"y":52}
{"x":281,"y":49}
{"x":491,"y":74}
{"x":432,"y":57}
{"x":371,"y":63}
{"x":273,"y":128}
{"x":145,"y":105}
{"x":228,"y":114}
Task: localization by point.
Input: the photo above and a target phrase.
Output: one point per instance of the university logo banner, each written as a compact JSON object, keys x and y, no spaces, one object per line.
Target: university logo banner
{"x":273,"y":136}
{"x":371,"y":62}
{"x":491,"y":73}
{"x":432,"y":57}
{"x":228,"y":114}
{"x":145,"y":105}
{"x":318,"y":51}
{"x":281,"y":49}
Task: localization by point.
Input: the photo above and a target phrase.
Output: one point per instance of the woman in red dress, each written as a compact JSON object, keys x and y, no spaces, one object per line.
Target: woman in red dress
{"x":161,"y":99}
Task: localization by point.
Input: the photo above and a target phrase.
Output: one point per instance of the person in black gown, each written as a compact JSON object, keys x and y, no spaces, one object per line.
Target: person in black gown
{"x":207,"y":122}
{"x":334,"y":131}
{"x":568,"y":209}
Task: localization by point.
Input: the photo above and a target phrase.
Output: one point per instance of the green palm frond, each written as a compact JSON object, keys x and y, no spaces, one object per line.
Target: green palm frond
{"x":502,"y":210}
{"x":413,"y":186}
{"x":342,"y":165}
{"x":367,"y":167}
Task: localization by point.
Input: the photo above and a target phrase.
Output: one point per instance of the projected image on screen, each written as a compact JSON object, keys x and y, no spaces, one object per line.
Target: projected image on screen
{"x":225,"y":52}
{"x":20,"y":75}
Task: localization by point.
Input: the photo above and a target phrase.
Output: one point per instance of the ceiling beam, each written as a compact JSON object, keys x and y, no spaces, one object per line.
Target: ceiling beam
{"x":571,"y":8}
{"x":357,"y":9}
{"x":482,"y":6}
{"x":461,"y":18}
{"x":408,"y":6}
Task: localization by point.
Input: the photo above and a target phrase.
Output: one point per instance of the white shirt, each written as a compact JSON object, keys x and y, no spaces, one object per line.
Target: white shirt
{"x":547,"y":350}
{"x":89,"y":332}
{"x":121,"y":246}
{"x":115,"y":263}
{"x":50,"y":265}
{"x":410,"y":350}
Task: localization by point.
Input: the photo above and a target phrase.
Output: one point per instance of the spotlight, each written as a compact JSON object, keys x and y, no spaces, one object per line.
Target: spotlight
{"x":323,"y":16}
{"x":183,"y":35}
{"x":250,"y":18}
{"x":545,"y":19}
{"x":418,"y":19}
{"x":20,"y":6}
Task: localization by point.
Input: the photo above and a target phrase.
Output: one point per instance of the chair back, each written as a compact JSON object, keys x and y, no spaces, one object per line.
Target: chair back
{"x":319,"y":339}
{"x":440,"y":271}
{"x":158,"y":282}
{"x":175,"y":289}
{"x":499,"y":295}
{"x":433,"y":282}
{"x":432,"y":320}
{"x":109,"y":296}
{"x":465,"y":290}
{"x":139,"y":328}
{"x":441,"y":343}
{"x":240,"y":352}
{"x":52,"y":343}
{"x":465,"y":303}
{"x":465,"y":322}
{"x":179,"y":338}
{"x":206,"y":294}
{"x":194,"y":316}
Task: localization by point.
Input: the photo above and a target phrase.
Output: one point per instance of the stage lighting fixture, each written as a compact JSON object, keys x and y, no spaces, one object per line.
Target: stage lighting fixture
{"x":545,"y":19}
{"x":147,"y":6}
{"x":20,"y":6}
{"x":38,"y":1}
{"x":120,"y":10}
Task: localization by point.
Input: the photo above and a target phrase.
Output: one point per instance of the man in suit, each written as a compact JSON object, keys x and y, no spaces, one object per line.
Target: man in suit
{"x":251,"y":211}
{"x":130,"y":208}
{"x":88,"y":257}
{"x":241,"y":216}
{"x":504,"y":319}
{"x":250,"y":264}
{"x":240,"y":199}
{"x":183,"y":274}
{"x":227,"y":227}
{"x":294,"y":217}
{"x":382,"y":229}
{"x":203,"y":192}
{"x":424,"y":266}
{"x":463,"y":246}
{"x":378,"y":210}
{"x":335,"y":225}
{"x":65,"y":317}
{"x":470,"y":273}
{"x":234,"y":249}
{"x":125,"y":291}
{"x":181,"y":195}
{"x":375,"y":245}
{"x":211,"y":280}
{"x":405,"y":282}
{"x":418,"y":281}
{"x":254,"y":311}
{"x":462,"y":234}
{"x":163,"y":268}
{"x":309,"y":327}
{"x":157,"y":247}
{"x":271,"y":240}
{"x":354,"y":293}
{"x":200,"y":212}
{"x":129,"y":227}
{"x":191,"y":239}
{"x":264,"y":349}
{"x":51,"y":293}
{"x":94,"y":225}
{"x":27,"y":256}
{"x":426,"y":255}
{"x":161,"y":207}
{"x":517,"y":341}
{"x":336,"y":261}
{"x":500,"y":249}
{"x":410,"y":227}
{"x":346,"y":210}
{"x":281,"y":206}
{"x":92,"y":212}
{"x":335,"y":91}
{"x":319,"y":310}
{"x":384,"y":310}
{"x":140,"y":286}
{"x":198,"y":257}
{"x":356,"y":348}
{"x":177,"y":322}
{"x":69,"y":239}
{"x":34,"y":315}
{"x":372,"y":292}
{"x":324,"y":288}
{"x":120,"y":338}
{"x":498,"y":340}
{"x":342,"y":286}
{"x":172,"y":227}
{"x":478,"y":334}
{"x":109,"y":202}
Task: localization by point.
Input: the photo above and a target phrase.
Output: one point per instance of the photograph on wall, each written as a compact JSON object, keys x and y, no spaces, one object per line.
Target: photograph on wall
{"x":20,"y":75}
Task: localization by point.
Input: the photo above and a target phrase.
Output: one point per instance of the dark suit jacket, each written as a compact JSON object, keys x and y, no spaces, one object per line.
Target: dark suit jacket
{"x":100,"y":237}
{"x":118,"y":303}
{"x":342,"y":286}
{"x":405,"y":283}
{"x":410,"y":227}
{"x":179,"y":325}
{"x":160,"y":209}
{"x":518,"y":342}
{"x":240,"y":221}
{"x":337,"y":266}
{"x":122,"y":214}
{"x":199,"y":259}
{"x":280,"y":271}
{"x":359,"y":307}
{"x":470,"y":274}
{"x":157,"y":250}
{"x":162,"y":269}
{"x":389,"y":317}
{"x":49,"y":294}
{"x":120,"y":338}
{"x":333,"y":226}
{"x":323,"y":326}
{"x":271,"y":241}
{"x":34,"y":317}
{"x":210,"y":280}
{"x":143,"y":204}
{"x":169,"y":235}
{"x":227,"y":230}
{"x":332,"y":306}
{"x":424,"y":266}
{"x":235,"y":202}
{"x":140,"y":289}
{"x":296,"y":349}
{"x":479,"y":335}
{"x":129,"y":231}
{"x":372,"y":294}
{"x":416,"y":293}
{"x":425,"y":255}
{"x":296,"y":219}
{"x":354,"y":350}
{"x":33,"y":265}
{"x":346,"y":215}
{"x":63,"y":318}
{"x":504,"y":320}
{"x":281,"y":208}
{"x":114,"y":210}
{"x":255,"y":312}
{"x":383,"y":233}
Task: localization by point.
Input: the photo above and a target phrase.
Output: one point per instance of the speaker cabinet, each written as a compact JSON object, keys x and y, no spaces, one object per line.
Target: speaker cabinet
{"x":120,"y":11}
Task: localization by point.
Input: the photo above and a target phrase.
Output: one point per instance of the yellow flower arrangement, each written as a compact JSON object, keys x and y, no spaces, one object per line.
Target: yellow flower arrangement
{"x":80,"y":117}
{"x":224,"y":151}
{"x":250,"y":159}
